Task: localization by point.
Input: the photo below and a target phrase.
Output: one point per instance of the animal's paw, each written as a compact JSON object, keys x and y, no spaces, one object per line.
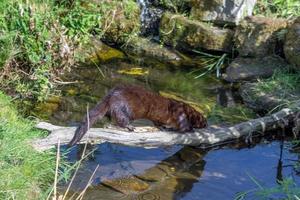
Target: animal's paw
{"x":130,"y":128}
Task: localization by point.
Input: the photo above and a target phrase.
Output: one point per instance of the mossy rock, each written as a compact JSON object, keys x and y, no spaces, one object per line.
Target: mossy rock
{"x":101,"y":53}
{"x":181,"y":33}
{"x":45,"y":109}
{"x":251,"y":69}
{"x":143,"y":47}
{"x":292,"y":44}
{"x":259,"y":36}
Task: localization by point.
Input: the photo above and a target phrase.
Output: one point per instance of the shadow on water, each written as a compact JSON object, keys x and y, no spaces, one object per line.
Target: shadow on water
{"x":163,"y":173}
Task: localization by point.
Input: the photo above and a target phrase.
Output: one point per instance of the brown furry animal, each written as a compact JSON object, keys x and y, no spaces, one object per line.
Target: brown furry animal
{"x":126,"y":103}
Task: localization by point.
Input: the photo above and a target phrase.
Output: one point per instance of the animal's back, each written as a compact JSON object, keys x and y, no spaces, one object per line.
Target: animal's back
{"x":136,"y":100}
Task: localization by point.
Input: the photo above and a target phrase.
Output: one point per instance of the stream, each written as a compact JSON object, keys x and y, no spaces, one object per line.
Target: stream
{"x":175,"y":172}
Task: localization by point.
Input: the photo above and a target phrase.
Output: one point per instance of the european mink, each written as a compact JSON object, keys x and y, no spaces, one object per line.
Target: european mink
{"x":126,"y":103}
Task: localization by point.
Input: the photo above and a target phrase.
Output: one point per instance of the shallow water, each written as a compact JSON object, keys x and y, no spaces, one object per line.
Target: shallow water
{"x":162,"y":173}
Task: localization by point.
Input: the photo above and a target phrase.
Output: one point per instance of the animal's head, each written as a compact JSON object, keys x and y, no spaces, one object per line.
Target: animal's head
{"x":188,"y":117}
{"x":196,"y":119}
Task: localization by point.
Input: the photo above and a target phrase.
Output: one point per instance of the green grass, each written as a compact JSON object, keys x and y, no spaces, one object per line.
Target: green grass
{"x":283,"y":83}
{"x":212,"y":63}
{"x":278,"y":8}
{"x":39,"y":39}
{"x":230,"y":115}
{"x":286,"y":189}
{"x":24,"y":172}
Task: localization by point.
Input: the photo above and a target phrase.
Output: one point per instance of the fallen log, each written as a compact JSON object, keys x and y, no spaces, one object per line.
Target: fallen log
{"x":149,"y":137}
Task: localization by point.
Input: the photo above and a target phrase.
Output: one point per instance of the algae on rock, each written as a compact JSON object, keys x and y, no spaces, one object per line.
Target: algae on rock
{"x":181,"y":33}
{"x":257,"y":36}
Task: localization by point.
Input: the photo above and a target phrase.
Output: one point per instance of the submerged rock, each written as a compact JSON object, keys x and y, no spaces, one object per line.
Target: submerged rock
{"x":222,"y":11}
{"x":127,"y":185}
{"x":180,"y":32}
{"x":292,"y":44}
{"x":143,"y":47}
{"x":258,"y":36}
{"x":100,"y":52}
{"x":245,"y":69}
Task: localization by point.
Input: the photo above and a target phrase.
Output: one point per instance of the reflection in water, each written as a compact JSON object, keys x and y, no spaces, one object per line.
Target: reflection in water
{"x":170,"y":178}
{"x":189,"y":173}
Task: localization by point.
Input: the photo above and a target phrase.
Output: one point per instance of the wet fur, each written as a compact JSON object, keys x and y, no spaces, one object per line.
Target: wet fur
{"x":127,"y":103}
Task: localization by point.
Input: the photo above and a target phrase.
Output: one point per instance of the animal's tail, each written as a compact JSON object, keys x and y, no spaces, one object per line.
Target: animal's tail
{"x":97,"y":113}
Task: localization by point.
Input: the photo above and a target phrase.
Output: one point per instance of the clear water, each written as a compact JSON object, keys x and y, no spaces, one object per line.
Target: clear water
{"x":162,"y":173}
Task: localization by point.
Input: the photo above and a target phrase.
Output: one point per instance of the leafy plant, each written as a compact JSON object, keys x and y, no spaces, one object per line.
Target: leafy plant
{"x":231,"y":115}
{"x":211,"y":63}
{"x":41,"y":39}
{"x":286,"y":189}
{"x":278,"y":8}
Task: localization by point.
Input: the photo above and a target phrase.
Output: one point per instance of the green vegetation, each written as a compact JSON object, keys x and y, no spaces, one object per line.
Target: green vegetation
{"x":230,"y":115}
{"x":41,"y":39}
{"x":25,"y":173}
{"x":286,"y":189}
{"x":177,"y":6}
{"x":278,"y":8}
{"x":212,"y":63}
{"x":284,"y":83}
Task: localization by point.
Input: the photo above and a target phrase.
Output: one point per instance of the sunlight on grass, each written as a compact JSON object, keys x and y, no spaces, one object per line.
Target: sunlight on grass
{"x":24,"y":173}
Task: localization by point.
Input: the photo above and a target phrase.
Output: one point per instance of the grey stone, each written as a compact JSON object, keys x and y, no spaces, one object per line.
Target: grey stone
{"x":245,"y":69}
{"x":222,"y":11}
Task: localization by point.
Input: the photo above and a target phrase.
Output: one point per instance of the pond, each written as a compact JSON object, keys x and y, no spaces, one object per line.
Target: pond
{"x":163,"y":173}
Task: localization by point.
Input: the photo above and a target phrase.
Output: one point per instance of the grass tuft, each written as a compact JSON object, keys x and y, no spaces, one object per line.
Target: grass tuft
{"x":24,"y":172}
{"x":283,"y":83}
{"x":278,"y":8}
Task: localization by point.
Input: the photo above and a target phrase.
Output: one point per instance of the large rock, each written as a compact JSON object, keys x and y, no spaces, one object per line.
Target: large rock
{"x":292,"y":44}
{"x":258,"y":36}
{"x":149,"y":53}
{"x":222,"y":11}
{"x":180,"y":32}
{"x":245,"y":69}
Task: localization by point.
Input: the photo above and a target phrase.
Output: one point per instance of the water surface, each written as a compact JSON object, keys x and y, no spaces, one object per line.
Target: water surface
{"x":163,"y":173}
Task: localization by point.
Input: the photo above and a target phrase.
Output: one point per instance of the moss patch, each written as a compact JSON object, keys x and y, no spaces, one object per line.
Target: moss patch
{"x":179,"y":32}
